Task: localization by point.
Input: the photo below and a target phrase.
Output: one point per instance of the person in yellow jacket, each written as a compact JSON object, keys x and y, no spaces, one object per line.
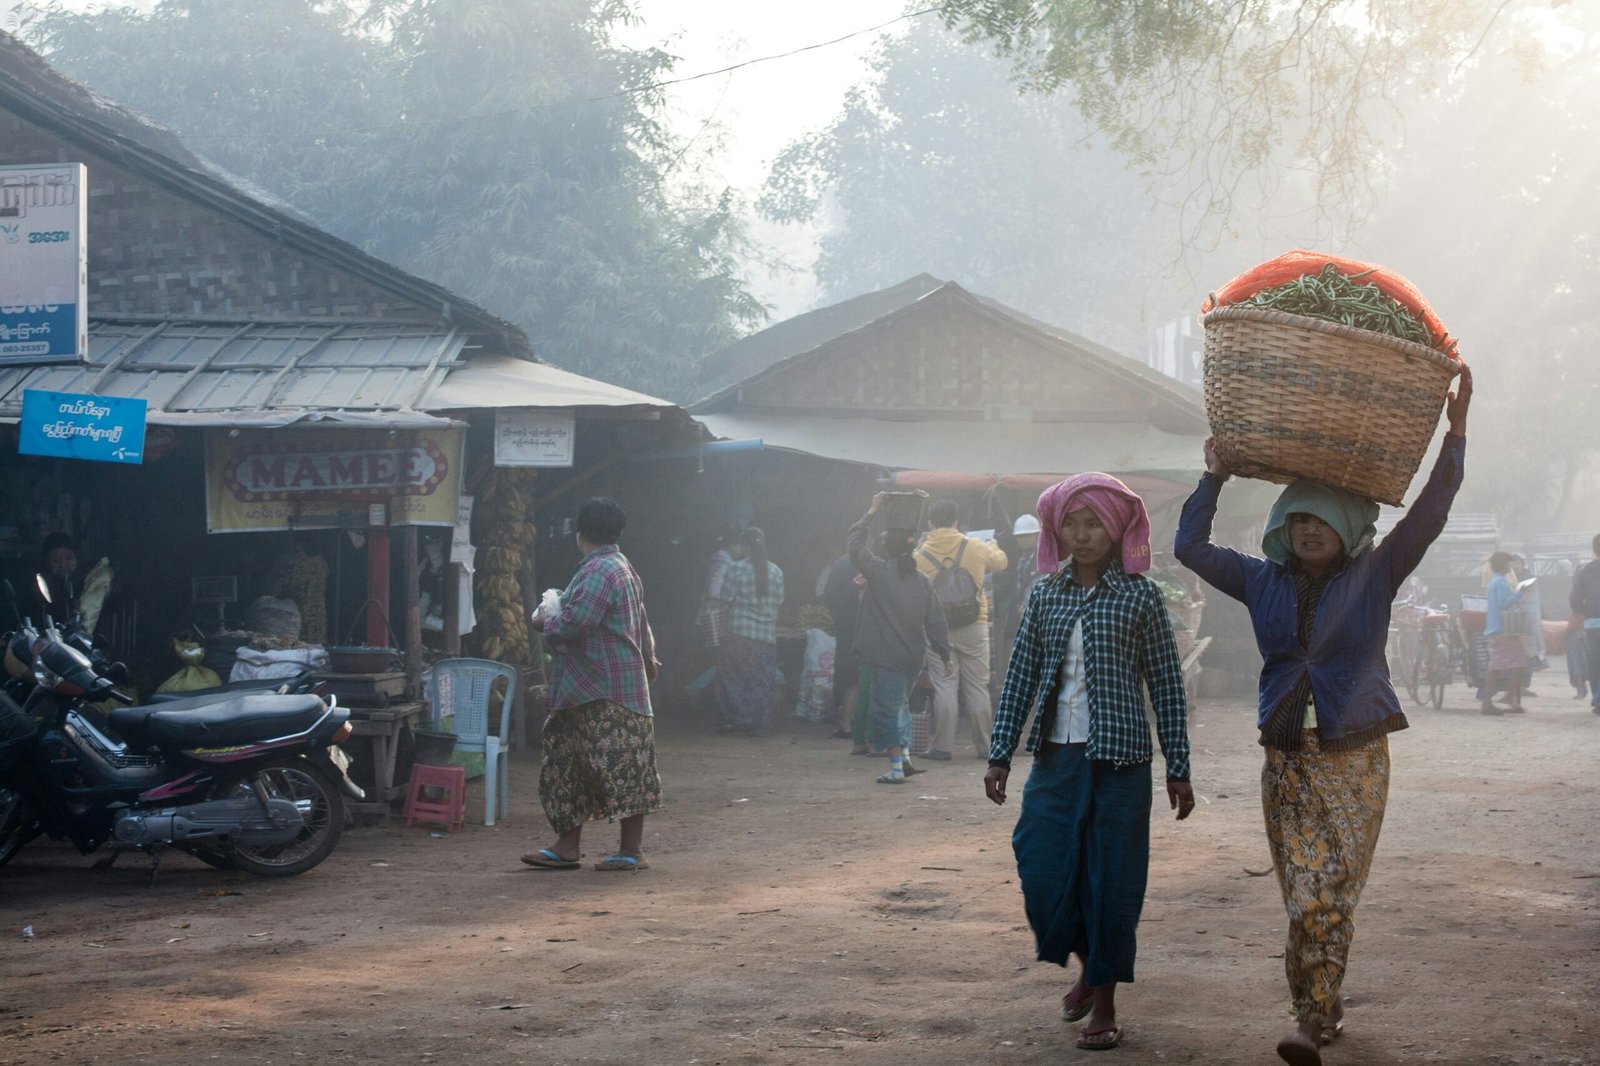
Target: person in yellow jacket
{"x":956,"y":564}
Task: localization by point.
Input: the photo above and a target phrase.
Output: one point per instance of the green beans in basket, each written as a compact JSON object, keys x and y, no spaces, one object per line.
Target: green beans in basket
{"x":1335,"y":296}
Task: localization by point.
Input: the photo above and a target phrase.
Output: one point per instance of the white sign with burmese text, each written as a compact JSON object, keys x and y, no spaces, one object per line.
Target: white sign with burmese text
{"x":534,"y":438}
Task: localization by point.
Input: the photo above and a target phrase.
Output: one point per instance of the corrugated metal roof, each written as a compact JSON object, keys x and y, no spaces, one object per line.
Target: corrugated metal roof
{"x":225,"y":373}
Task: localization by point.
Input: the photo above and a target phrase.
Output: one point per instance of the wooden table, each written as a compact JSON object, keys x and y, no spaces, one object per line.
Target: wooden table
{"x":365,"y":689}
{"x":375,"y":736}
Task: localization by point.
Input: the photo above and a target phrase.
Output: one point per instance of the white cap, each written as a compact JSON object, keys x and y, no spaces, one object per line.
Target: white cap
{"x":1024,"y":525}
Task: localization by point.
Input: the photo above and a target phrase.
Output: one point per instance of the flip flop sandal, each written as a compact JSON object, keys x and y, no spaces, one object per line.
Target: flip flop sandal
{"x":1074,"y":1009}
{"x":1330,"y":1033}
{"x":1108,"y":1038}
{"x":622,"y":862}
{"x":545,"y":859}
{"x":1295,"y":1053}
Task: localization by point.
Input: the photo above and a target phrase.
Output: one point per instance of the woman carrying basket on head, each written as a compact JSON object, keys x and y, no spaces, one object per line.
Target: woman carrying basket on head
{"x":1319,"y":603}
{"x":1094,"y":636}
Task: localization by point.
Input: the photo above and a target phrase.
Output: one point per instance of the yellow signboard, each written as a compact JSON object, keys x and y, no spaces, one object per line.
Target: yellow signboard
{"x":296,"y":478}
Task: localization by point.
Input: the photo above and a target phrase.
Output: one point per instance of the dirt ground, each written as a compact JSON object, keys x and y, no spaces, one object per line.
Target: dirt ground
{"x":796,"y":912}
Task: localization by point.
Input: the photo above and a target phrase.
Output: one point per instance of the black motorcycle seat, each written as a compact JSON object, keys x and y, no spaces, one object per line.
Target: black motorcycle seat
{"x":216,"y":720}
{"x":232,"y":688}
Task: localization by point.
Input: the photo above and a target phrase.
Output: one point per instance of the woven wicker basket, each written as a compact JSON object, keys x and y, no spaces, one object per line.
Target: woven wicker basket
{"x":1291,"y":397}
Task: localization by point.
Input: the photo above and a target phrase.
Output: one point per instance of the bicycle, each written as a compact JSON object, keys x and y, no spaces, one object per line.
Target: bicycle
{"x":1424,"y":650}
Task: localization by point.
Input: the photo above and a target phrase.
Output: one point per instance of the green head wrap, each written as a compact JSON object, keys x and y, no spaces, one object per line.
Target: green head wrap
{"x":1353,"y":517}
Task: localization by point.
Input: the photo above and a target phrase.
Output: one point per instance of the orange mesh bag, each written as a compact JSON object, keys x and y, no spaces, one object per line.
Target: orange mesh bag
{"x":1290,"y":265}
{"x":1289,"y":396}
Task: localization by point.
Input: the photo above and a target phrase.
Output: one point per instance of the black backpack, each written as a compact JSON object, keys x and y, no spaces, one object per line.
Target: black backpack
{"x":954,"y":589}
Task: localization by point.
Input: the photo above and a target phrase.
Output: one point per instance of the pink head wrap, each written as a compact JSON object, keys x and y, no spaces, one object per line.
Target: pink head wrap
{"x":1118,"y":507}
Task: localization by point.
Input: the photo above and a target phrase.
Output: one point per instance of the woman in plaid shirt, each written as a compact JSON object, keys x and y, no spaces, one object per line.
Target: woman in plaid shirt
{"x":1094,"y":637}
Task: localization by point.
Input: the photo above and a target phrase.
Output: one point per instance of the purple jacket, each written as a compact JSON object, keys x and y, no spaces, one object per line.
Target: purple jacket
{"x":1349,"y":674}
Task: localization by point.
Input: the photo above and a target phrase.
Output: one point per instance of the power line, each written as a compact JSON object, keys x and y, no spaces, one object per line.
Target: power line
{"x":632,"y":90}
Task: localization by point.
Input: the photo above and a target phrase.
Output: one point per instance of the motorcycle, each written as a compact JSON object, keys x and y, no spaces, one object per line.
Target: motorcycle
{"x":252,"y":780}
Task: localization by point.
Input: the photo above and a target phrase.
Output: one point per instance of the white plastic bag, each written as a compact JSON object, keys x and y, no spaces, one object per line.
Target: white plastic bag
{"x":250,"y":664}
{"x":550,"y":603}
{"x":816,"y":677}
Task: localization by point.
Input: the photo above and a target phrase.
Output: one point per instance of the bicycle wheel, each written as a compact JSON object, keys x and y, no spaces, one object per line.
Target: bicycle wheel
{"x":1439,"y":672}
{"x":1415,"y":676}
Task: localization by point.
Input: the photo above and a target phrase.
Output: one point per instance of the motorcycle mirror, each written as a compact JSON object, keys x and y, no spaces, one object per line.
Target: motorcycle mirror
{"x":44,"y":588}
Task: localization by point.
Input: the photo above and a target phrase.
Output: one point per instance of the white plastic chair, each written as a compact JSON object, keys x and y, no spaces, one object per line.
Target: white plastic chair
{"x":462,"y":688}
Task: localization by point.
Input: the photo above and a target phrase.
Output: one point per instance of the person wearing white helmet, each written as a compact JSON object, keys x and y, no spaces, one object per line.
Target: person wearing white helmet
{"x":1021,"y":546}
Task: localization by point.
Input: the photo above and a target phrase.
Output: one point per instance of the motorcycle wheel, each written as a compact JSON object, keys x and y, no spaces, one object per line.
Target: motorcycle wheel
{"x":16,"y":823}
{"x":320,"y":804}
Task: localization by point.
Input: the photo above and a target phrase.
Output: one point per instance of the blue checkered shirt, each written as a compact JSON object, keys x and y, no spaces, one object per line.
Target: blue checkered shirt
{"x":1128,"y":647}
{"x":749,"y":615}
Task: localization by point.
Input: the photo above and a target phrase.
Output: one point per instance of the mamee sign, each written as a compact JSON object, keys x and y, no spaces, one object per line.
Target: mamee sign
{"x":74,"y":425}
{"x":319,"y":478}
{"x":44,"y":265}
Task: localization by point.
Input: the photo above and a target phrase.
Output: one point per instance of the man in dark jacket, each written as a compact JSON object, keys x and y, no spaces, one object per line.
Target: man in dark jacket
{"x":1586,"y":602}
{"x":900,"y":619}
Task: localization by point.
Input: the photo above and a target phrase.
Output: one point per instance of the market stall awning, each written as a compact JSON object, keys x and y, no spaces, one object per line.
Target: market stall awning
{"x":984,"y":448}
{"x":254,"y":373}
{"x":498,"y":381}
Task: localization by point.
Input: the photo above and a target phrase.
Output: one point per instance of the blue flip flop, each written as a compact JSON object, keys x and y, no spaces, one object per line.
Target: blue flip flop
{"x":622,"y":862}
{"x":545,"y":859}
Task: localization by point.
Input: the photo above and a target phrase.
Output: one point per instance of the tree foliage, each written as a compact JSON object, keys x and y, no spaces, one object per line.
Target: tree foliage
{"x":507,"y":149}
{"x":1225,"y":91}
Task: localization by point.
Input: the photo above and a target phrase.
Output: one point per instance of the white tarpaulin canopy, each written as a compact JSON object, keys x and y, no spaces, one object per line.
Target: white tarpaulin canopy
{"x":488,"y":381}
{"x":985,"y":448}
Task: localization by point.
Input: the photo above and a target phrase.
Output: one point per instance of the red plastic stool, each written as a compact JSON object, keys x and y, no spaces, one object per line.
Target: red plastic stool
{"x":437,"y":794}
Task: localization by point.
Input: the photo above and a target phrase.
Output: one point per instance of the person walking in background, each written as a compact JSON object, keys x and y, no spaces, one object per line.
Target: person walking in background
{"x":1320,"y":603}
{"x":1094,"y":638}
{"x":1508,"y":653}
{"x":900,"y":627}
{"x":841,"y":595}
{"x":598,"y":744}
{"x":747,"y":668}
{"x":956,"y":564}
{"x":1021,"y":545}
{"x":1533,"y":603}
{"x":1585,"y":601}
{"x":713,"y":616}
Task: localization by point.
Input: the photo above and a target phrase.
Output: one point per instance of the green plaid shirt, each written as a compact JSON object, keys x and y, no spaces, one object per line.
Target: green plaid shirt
{"x":1128,"y":647}
{"x":750,"y":616}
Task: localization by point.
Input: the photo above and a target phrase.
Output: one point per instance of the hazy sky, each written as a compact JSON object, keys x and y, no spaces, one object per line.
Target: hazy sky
{"x":764,"y":106}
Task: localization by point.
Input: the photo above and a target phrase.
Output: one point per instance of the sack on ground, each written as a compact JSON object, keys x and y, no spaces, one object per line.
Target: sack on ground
{"x":816,"y":677}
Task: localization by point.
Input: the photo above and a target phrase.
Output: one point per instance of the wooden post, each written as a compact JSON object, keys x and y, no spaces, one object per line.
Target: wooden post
{"x":452,"y":608}
{"x":411,"y":608}
{"x":377,"y":586}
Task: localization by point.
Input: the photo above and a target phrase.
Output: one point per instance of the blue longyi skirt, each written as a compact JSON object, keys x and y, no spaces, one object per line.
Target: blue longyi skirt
{"x":1083,"y":855}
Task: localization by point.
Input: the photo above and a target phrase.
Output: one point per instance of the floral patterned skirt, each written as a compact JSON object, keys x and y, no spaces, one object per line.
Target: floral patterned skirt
{"x":599,"y":761}
{"x":1323,"y":812}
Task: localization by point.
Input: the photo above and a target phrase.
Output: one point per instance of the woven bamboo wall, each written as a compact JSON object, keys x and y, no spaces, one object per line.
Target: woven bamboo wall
{"x":152,"y":251}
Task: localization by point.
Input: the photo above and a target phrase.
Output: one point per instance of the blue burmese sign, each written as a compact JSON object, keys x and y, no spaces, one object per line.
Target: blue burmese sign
{"x":72,"y":425}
